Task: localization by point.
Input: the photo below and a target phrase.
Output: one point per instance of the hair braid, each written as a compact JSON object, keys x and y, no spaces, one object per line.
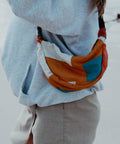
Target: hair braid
{"x":100,"y":4}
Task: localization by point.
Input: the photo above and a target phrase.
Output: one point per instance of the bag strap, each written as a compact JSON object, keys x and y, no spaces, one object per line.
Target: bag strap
{"x":101,"y":22}
{"x":102,"y":28}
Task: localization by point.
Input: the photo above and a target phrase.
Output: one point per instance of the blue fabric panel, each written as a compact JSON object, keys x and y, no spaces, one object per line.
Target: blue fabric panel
{"x":93,"y":68}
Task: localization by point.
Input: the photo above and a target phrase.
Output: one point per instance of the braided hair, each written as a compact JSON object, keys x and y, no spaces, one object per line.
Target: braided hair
{"x":100,"y":4}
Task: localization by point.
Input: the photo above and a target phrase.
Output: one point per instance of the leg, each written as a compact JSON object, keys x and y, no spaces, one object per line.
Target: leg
{"x":81,"y":120}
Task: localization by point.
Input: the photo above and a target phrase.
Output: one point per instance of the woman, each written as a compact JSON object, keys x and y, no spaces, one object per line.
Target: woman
{"x":51,"y":116}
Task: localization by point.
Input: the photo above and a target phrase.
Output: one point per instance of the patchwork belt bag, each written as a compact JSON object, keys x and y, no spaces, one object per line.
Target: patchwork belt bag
{"x":70,"y":73}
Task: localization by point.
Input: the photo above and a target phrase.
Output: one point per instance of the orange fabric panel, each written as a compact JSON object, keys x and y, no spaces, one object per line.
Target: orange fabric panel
{"x":105,"y":60}
{"x":96,"y":51}
{"x":53,"y":80}
{"x":56,"y":82}
{"x":65,"y":71}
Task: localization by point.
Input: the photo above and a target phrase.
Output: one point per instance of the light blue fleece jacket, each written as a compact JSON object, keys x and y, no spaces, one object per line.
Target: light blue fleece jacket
{"x":65,"y":23}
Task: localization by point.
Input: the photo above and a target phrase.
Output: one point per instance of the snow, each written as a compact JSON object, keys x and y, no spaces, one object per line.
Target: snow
{"x":109,"y":125}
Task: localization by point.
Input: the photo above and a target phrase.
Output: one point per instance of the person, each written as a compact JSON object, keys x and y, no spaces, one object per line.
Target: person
{"x":51,"y":116}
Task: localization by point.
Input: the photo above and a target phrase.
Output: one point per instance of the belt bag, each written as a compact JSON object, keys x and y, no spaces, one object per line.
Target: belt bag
{"x":70,"y":73}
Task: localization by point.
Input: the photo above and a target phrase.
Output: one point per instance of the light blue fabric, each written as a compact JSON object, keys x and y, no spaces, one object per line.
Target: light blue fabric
{"x":64,"y":22}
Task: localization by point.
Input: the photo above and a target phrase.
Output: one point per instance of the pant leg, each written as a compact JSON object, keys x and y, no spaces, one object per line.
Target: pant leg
{"x":81,"y":120}
{"x":67,"y":123}
{"x":48,"y":127}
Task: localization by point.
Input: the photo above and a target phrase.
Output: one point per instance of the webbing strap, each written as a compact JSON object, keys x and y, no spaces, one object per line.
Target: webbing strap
{"x":101,"y":22}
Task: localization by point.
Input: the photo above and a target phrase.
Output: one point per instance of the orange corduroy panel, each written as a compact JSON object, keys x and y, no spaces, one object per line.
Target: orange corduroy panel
{"x":96,"y":51}
{"x":65,"y":71}
{"x":59,"y":83}
{"x":104,"y":60}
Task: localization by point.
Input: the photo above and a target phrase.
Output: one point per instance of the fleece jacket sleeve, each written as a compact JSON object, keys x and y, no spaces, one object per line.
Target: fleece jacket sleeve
{"x":53,"y":15}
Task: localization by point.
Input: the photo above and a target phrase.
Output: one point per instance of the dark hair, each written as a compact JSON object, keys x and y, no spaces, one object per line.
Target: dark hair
{"x":100,"y":4}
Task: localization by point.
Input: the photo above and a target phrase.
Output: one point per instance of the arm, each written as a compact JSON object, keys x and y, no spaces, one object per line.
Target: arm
{"x":51,"y":15}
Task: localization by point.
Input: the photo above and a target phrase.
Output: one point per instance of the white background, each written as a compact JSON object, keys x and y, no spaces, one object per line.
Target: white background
{"x":108,"y":131}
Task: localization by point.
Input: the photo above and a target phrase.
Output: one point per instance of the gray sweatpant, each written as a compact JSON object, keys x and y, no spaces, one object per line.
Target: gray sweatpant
{"x":66,"y":123}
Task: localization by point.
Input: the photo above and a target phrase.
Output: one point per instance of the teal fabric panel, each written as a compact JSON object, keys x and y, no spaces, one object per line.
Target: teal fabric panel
{"x":93,"y":68}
